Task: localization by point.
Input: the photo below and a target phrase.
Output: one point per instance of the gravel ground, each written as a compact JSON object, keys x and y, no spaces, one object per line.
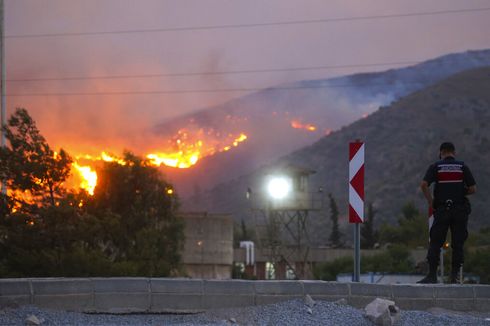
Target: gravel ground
{"x":293,"y":312}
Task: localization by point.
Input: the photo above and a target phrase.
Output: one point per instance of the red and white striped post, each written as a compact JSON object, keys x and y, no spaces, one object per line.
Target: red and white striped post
{"x":356,"y":200}
{"x":356,"y":182}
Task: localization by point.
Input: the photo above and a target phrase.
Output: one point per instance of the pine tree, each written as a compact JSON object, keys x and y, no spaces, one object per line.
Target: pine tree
{"x":369,"y":236}
{"x":335,"y":235}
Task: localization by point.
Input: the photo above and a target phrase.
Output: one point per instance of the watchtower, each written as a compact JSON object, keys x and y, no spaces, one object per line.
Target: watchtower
{"x":281,"y":208}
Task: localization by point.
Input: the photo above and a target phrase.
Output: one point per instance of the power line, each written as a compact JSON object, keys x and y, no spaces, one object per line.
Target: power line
{"x":212,"y":73}
{"x":265,"y":24}
{"x":222,"y":90}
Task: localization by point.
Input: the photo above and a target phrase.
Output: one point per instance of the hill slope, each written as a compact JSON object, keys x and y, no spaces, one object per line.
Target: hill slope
{"x":266,"y":116}
{"x":401,"y":141}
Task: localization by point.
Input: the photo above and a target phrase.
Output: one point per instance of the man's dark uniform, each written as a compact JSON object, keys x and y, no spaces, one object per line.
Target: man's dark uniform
{"x":451,"y":210}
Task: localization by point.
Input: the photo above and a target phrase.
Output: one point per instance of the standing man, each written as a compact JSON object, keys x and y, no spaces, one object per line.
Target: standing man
{"x":453,"y":181}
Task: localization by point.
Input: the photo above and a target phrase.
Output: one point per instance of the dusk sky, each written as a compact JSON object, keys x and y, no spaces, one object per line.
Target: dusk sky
{"x":63,"y":119}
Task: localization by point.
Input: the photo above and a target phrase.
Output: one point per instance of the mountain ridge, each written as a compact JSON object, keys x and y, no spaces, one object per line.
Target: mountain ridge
{"x":266,"y":116}
{"x":402,"y":140}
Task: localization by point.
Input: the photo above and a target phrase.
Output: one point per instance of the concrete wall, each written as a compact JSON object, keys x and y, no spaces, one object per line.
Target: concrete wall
{"x":208,"y":247}
{"x":323,"y":254}
{"x":124,"y":295}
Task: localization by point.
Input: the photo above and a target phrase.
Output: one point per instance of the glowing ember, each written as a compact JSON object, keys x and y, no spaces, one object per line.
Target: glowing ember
{"x":89,"y":177}
{"x":240,"y":139}
{"x":296,"y":124}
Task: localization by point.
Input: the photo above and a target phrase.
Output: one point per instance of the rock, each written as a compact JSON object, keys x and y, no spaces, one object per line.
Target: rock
{"x":308,"y":310}
{"x":382,"y":312}
{"x":309,"y":301}
{"x":32,"y":320}
{"x":232,"y":320}
{"x":342,"y":302}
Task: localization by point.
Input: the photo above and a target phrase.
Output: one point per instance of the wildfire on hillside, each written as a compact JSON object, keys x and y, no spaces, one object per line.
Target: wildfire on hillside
{"x":297,"y":124}
{"x":183,"y":151}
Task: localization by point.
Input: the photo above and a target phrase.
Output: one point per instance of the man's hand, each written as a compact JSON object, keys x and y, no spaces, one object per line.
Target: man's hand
{"x":424,"y":186}
{"x":471,"y":190}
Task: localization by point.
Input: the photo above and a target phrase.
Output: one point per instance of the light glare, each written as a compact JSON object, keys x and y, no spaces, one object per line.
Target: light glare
{"x":279,"y":187}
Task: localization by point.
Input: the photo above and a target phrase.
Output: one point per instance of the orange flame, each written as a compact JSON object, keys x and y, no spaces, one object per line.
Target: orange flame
{"x":296,"y":124}
{"x":109,"y":158}
{"x":89,"y":177}
{"x":19,"y":198}
{"x":188,"y":154}
{"x":186,"y":150}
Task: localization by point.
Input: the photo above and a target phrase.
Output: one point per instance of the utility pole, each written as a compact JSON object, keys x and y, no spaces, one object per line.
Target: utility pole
{"x":3,"y":86}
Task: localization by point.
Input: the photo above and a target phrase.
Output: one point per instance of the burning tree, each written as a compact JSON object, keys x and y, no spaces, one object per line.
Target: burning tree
{"x":32,"y":171}
{"x":128,"y":227}
{"x":146,"y":229}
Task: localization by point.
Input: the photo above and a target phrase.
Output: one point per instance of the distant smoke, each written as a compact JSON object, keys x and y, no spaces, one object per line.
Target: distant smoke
{"x":90,"y":124}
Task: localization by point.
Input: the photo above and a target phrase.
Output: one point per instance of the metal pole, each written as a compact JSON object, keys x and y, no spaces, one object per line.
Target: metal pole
{"x":442,"y":264}
{"x":2,"y":54}
{"x":3,"y":86}
{"x":357,"y":252}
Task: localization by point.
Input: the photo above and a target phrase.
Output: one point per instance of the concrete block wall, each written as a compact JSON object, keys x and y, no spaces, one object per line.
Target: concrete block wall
{"x":136,"y":295}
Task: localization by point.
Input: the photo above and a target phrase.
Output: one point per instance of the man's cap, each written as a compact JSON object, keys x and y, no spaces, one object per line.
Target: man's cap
{"x":447,"y":147}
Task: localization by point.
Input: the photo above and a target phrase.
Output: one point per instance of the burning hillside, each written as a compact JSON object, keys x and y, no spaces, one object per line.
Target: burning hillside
{"x":200,"y":145}
{"x":188,"y":142}
{"x":297,"y":124}
{"x":188,"y":148}
{"x":183,"y":151}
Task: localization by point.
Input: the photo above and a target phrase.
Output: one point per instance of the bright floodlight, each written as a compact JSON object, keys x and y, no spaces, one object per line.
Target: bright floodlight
{"x":279,"y":187}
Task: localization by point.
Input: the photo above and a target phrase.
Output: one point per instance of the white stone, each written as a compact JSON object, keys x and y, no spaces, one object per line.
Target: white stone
{"x":309,"y":301}
{"x":342,"y":302}
{"x":32,"y":320}
{"x":382,"y":312}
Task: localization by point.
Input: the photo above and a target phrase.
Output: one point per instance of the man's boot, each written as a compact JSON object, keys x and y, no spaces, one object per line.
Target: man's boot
{"x":431,"y":277}
{"x":454,"y":276}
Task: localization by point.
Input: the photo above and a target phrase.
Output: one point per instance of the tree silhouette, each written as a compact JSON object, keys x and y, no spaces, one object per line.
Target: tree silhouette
{"x":369,"y":236}
{"x":147,"y":229}
{"x":335,"y":235}
{"x":30,"y":168}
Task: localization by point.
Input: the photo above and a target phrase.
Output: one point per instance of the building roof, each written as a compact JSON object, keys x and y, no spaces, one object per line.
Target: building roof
{"x":289,"y":169}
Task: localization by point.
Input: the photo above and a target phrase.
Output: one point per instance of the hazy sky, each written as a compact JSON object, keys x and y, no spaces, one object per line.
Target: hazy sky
{"x":64,"y":119}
